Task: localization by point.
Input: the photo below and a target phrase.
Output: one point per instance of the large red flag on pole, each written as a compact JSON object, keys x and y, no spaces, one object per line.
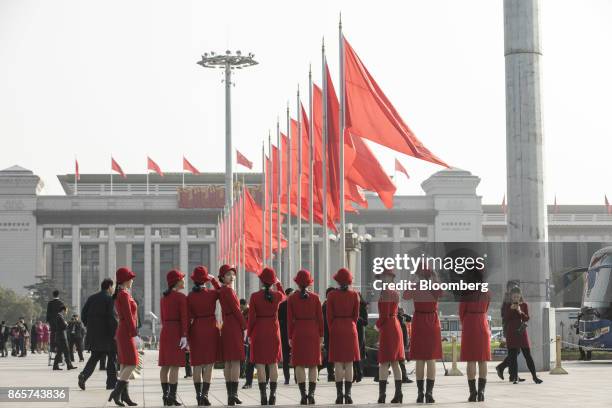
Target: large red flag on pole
{"x":187,"y":166}
{"x":243,"y":161}
{"x":151,"y":165}
{"x":115,"y":167}
{"x":371,"y":115}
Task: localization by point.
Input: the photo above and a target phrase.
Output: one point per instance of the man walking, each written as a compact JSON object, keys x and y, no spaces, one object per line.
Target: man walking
{"x":61,"y":341}
{"x":53,"y":308}
{"x":98,"y":315}
{"x":76,"y":331}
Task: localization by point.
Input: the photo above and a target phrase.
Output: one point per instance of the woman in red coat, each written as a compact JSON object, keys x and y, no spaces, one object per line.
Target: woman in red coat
{"x":391,"y":341}
{"x":342,"y":313}
{"x":263,"y":332}
{"x":475,"y":337}
{"x":426,"y":340}
{"x":125,"y":336}
{"x":305,"y":332}
{"x":516,"y":315}
{"x":232,"y":332}
{"x":204,"y":336}
{"x":173,"y":336}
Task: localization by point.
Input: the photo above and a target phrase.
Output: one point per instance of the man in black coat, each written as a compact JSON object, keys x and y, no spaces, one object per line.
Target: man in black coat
{"x":76,"y":332}
{"x":98,"y":315}
{"x":282,"y":322}
{"x":330,"y":366}
{"x":61,"y":341}
{"x":53,"y":308}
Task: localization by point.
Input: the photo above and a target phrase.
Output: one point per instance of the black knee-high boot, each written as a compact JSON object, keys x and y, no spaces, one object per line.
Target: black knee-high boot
{"x":420,"y":395}
{"x":303,"y":396}
{"x":429,"y":385}
{"x":382,"y":391}
{"x":230,"y":394}
{"x":115,"y":395}
{"x":172,"y":395}
{"x":398,"y":397}
{"x":482,"y":382}
{"x":312,"y":386}
{"x":198,"y":390}
{"x":125,"y":397}
{"x":262,"y":393}
{"x":473,"y":392}
{"x":339,"y":394}
{"x":347,"y":392}
{"x":272,"y":399}
{"x":235,"y":392}
{"x":165,"y":393}
{"x":204,"y":394}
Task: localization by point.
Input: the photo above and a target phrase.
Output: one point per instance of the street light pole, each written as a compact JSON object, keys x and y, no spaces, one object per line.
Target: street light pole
{"x":228,"y":62}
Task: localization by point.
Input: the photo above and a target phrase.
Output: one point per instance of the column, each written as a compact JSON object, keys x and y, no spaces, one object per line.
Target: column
{"x":156,"y":278}
{"x":76,"y":270}
{"x":128,"y":255}
{"x":148,"y":301}
{"x":112,"y":251}
{"x":40,"y":252}
{"x":184,"y":254}
{"x":103,"y":271}
{"x":214,"y":266}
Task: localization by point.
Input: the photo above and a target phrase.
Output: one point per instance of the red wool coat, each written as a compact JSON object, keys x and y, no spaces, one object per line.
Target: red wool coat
{"x":127,"y":313}
{"x":263,"y":329}
{"x":305,"y":329}
{"x":391,"y":340}
{"x":232,"y":330}
{"x":426,"y":340}
{"x":512,"y":321}
{"x":204,"y":335}
{"x":475,"y":332}
{"x":175,"y":324}
{"x":342,"y":312}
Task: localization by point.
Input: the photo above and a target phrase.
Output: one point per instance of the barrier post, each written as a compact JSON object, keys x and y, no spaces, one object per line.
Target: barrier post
{"x":558,"y":368}
{"x":454,"y":371}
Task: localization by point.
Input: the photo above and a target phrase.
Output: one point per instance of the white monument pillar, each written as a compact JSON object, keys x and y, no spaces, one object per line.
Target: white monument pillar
{"x":76,"y":271}
{"x":148,"y":272}
{"x":527,"y":261}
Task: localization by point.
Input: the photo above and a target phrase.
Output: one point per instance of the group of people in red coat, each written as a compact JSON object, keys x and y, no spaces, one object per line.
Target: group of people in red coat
{"x":189,"y":323}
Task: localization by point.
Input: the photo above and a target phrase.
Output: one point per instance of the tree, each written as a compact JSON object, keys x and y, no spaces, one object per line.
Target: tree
{"x":42,"y":291}
{"x":14,"y":306}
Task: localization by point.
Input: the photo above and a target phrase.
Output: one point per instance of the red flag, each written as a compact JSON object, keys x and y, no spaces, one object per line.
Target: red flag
{"x":371,"y":115}
{"x":503,"y":205}
{"x":242,"y":160}
{"x":77,"y":175}
{"x":151,"y":165}
{"x":116,"y":167}
{"x":608,"y":207}
{"x":400,"y":168}
{"x":189,"y":167}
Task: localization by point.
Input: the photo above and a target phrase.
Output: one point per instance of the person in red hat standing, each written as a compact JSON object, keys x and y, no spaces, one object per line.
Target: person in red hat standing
{"x":232,"y":332}
{"x":475,"y":336}
{"x":173,"y":336}
{"x":342,"y":314}
{"x":391,"y":341}
{"x":263,"y":331}
{"x":426,"y":339}
{"x":305,"y":331}
{"x":125,"y":336}
{"x":204,"y":335}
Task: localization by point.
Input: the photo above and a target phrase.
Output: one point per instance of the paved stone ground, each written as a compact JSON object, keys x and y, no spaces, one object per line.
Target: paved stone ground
{"x":588,"y":384}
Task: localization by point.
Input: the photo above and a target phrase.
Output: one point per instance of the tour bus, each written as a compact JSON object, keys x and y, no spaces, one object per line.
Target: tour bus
{"x":595,"y":319}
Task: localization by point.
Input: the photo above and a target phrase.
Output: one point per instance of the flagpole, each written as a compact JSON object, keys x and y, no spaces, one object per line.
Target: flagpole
{"x":183,"y":179}
{"x":289,"y":227}
{"x":263,"y":202}
{"x":325,"y":274}
{"x":341,"y":141}
{"x":299,"y":181}
{"x":111,"y":177}
{"x":242,"y":227}
{"x":279,"y":260}
{"x":147,"y":181}
{"x":311,"y":170}
{"x":270,"y":197}
{"x":76,"y":170}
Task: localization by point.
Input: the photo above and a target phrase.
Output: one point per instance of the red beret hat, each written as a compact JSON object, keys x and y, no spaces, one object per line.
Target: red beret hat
{"x":200,"y":274}
{"x":124,"y":274}
{"x":174,"y":276}
{"x":268,"y":276}
{"x":343,"y":276}
{"x":225,"y":268}
{"x":303,"y":278}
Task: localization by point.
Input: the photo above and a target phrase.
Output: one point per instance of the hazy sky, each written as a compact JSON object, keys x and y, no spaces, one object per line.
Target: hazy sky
{"x":95,"y":78}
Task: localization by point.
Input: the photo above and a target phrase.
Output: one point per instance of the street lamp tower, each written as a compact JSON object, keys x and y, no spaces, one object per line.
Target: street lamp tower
{"x":228,"y":62}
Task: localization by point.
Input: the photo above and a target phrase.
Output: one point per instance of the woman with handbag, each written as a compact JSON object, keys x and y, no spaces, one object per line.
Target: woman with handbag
{"x":517,"y":316}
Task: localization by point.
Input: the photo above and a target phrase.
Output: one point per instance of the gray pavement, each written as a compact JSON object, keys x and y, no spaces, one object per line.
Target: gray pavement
{"x":587,"y":384}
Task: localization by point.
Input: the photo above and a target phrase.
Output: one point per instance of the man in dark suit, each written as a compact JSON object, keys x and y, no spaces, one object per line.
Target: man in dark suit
{"x":98,"y":315}
{"x":61,"y":341}
{"x":282,"y":322}
{"x":330,"y":366}
{"x":76,"y":332}
{"x":53,"y":308}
